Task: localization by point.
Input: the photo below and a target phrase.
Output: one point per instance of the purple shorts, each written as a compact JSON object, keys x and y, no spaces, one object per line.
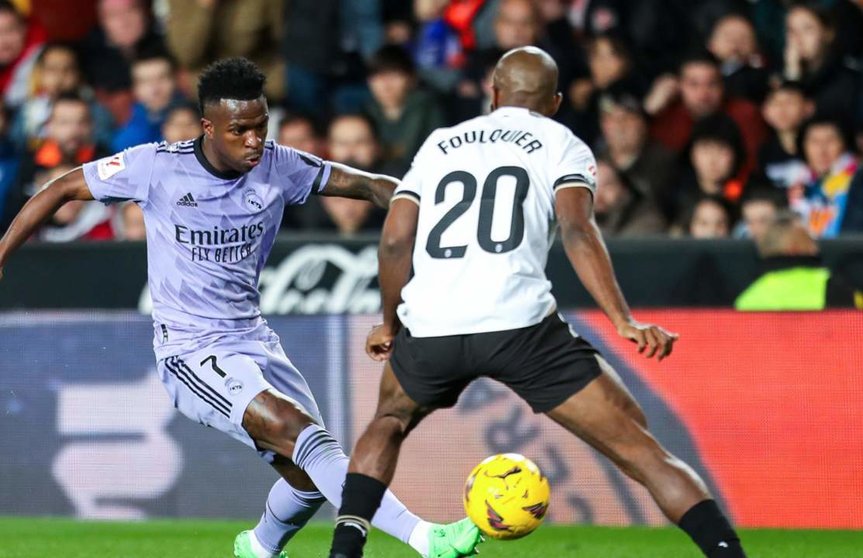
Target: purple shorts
{"x":213,"y":385}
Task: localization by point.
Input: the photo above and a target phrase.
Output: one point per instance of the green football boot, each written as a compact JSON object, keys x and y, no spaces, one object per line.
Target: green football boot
{"x":243,"y":546}
{"x":454,"y":540}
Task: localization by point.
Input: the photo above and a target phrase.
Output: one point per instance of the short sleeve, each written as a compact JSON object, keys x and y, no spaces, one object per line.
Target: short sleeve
{"x":298,"y":173}
{"x":576,"y":167}
{"x":124,"y":176}
{"x":411,"y":185}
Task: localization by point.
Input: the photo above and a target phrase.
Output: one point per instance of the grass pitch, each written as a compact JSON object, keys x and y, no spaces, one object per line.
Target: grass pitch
{"x":63,"y":538}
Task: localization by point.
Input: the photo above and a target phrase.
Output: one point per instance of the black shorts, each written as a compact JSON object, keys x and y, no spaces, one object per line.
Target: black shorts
{"x":544,"y":364}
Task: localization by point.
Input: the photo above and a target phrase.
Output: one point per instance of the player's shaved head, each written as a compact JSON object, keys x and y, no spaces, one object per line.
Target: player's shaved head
{"x":527,"y":77}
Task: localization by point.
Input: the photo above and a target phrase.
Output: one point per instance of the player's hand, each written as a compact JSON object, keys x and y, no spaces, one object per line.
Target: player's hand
{"x":379,"y":343}
{"x":651,"y":338}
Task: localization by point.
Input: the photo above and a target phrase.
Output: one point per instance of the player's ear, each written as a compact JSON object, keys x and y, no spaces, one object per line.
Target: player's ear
{"x":207,"y":125}
{"x":495,"y":94}
{"x":555,"y":104}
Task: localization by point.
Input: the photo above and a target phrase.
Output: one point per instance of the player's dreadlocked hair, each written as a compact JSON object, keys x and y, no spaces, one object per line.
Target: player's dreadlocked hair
{"x":230,"y":78}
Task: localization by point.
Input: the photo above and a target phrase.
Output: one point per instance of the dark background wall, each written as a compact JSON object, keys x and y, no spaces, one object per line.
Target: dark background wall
{"x":325,"y":274}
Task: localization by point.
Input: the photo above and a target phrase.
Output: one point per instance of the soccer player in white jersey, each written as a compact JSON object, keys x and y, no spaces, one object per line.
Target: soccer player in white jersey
{"x":212,"y":208}
{"x":475,"y":217}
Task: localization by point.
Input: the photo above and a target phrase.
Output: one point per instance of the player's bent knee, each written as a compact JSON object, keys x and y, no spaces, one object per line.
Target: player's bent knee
{"x":397,"y":422}
{"x":402,"y":409}
{"x":275,"y":421}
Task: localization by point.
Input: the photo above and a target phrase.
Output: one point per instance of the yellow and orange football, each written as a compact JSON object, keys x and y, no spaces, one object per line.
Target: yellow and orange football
{"x":506,"y":496}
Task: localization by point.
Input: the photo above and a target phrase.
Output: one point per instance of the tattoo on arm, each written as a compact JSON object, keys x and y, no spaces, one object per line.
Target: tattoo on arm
{"x":347,"y":182}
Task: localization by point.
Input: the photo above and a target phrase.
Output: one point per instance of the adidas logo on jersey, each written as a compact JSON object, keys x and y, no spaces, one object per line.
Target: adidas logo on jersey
{"x":187,"y":201}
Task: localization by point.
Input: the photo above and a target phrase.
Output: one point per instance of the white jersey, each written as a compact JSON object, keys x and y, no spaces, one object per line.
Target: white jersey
{"x":485,"y":189}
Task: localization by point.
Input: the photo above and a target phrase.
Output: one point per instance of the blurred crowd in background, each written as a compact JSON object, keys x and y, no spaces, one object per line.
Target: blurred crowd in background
{"x":708,"y":117}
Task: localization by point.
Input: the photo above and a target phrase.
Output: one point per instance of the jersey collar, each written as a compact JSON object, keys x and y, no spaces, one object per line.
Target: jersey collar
{"x":199,"y":155}
{"x":514,"y":111}
{"x":511,"y":109}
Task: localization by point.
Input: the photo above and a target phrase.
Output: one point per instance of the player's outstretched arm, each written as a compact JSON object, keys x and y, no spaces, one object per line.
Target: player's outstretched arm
{"x":394,"y":266}
{"x":348,"y":182}
{"x":586,"y":251}
{"x":70,"y":186}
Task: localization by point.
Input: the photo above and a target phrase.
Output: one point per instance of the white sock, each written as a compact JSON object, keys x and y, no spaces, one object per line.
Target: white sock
{"x":318,"y":454}
{"x":258,"y":549}
{"x":419,"y":538}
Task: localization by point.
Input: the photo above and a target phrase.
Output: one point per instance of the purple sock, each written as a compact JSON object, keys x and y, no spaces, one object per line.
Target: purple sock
{"x":320,"y":456}
{"x":285,"y":513}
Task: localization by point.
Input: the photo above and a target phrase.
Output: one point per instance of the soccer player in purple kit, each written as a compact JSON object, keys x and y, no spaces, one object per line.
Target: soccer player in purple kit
{"x":212,"y":208}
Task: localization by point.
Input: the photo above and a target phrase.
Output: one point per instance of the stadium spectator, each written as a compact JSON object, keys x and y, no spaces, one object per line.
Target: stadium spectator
{"x":75,"y":220}
{"x":794,"y":277}
{"x":182,"y":123}
{"x":68,"y":141}
{"x":604,"y":48}
{"x":350,"y":140}
{"x":557,"y":33}
{"x":301,"y":132}
{"x":473,"y":95}
{"x":846,"y":15}
{"x":455,"y":18}
{"x":758,"y":208}
{"x":708,"y":218}
{"x":428,"y":10}
{"x":621,"y":210}
{"x":701,"y":94}
{"x":733,"y":42}
{"x":713,"y":160}
{"x":154,"y":86}
{"x":313,"y":54}
{"x":57,"y":72}
{"x":657,"y":30}
{"x":646,"y":163}
{"x":125,"y":29}
{"x":785,"y":109}
{"x":610,"y":63}
{"x":811,"y":57}
{"x":438,"y":51}
{"x":403,"y":114}
{"x":398,"y":21}
{"x":516,"y":23}
{"x":20,"y":43}
{"x":831,"y":201}
{"x":200,"y":31}
{"x":325,"y":44}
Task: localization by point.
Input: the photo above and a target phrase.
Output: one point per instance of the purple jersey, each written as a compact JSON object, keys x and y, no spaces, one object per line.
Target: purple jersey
{"x":208,"y":233}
